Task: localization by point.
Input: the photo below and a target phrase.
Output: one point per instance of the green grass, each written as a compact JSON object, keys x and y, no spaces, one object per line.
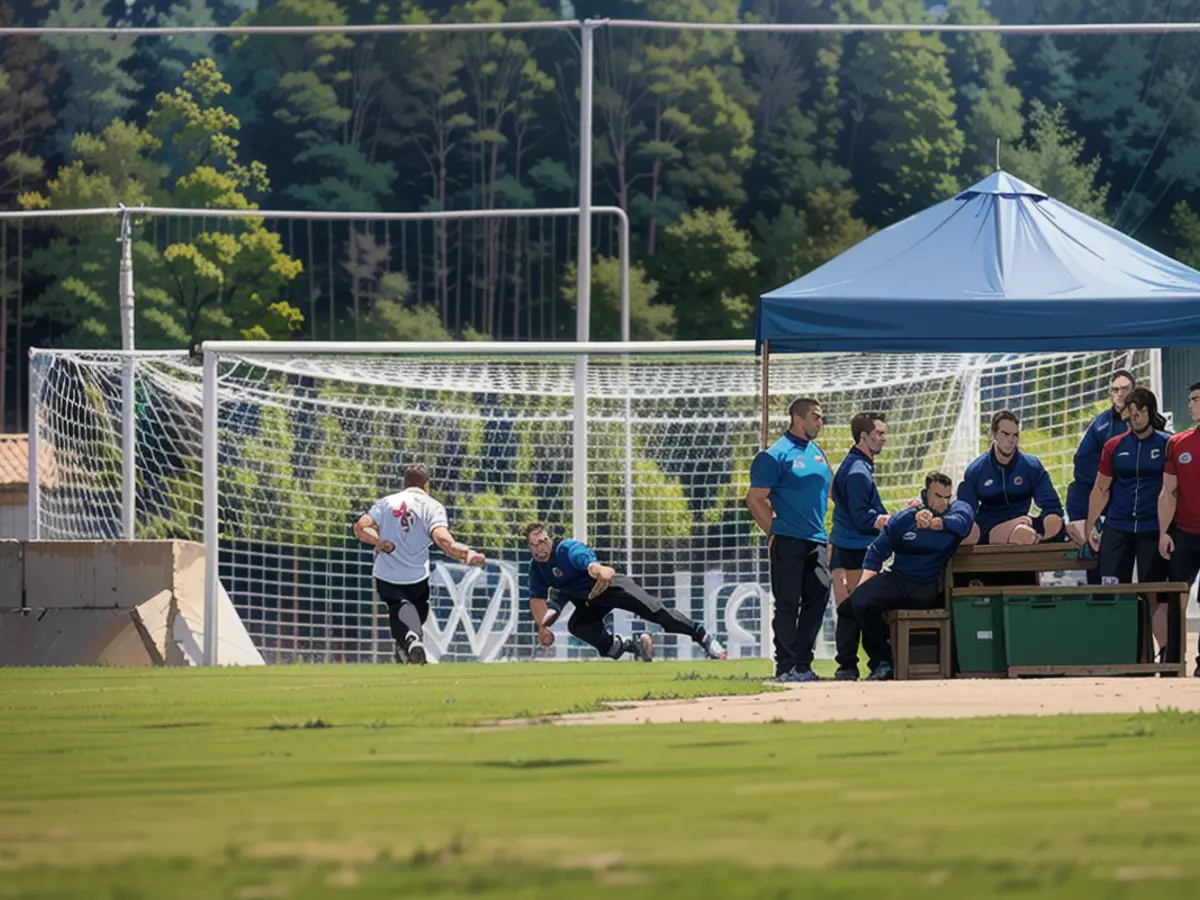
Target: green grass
{"x":367,"y":782}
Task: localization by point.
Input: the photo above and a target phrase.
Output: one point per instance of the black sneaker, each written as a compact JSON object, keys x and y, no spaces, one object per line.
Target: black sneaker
{"x":845,"y":674}
{"x":399,"y":655}
{"x":641,"y":646}
{"x":883,"y":672}
{"x":416,"y":651}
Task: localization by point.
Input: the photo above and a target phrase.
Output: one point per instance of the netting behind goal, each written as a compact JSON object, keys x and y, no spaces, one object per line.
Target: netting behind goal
{"x":307,"y":444}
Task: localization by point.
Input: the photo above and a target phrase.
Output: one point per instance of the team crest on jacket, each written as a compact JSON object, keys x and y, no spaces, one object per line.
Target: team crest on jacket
{"x":1018,"y":481}
{"x":404,"y":515}
{"x":1185,"y":458}
{"x":558,"y":573}
{"x":798,"y":464}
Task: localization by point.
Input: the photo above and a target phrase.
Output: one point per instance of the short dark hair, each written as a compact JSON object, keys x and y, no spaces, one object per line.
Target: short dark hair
{"x":864,"y":423}
{"x":938,"y":478}
{"x":1005,"y":415}
{"x":1124,"y":373}
{"x":1194,"y":387}
{"x":801,"y":406}
{"x":535,"y":526}
{"x":416,"y":475}
{"x":1143,"y":398}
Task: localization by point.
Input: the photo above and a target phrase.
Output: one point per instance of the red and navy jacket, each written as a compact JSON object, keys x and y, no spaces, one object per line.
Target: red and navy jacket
{"x":998,"y":493}
{"x":1136,"y":468}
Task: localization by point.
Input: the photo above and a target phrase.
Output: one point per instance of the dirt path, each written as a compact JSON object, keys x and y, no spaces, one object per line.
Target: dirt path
{"x":964,"y":698}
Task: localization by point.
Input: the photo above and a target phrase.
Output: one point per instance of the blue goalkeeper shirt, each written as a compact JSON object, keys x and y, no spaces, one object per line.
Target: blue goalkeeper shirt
{"x":566,"y":571}
{"x":798,"y":475}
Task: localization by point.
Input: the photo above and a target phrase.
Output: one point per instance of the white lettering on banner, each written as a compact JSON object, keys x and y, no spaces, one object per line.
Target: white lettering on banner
{"x":485,"y":641}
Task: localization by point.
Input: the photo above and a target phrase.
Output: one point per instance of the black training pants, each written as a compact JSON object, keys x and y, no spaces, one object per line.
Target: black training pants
{"x":870,"y":603}
{"x":800,"y":581}
{"x":408,"y":607}
{"x":587,"y":621}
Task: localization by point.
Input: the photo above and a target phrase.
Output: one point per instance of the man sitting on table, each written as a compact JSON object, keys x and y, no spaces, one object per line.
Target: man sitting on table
{"x":1001,"y":486}
{"x":922,"y":540}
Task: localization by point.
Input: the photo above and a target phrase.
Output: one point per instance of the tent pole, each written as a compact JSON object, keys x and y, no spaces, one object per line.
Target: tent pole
{"x":765,"y":380}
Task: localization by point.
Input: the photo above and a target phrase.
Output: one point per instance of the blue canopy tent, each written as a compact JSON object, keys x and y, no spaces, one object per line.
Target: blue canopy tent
{"x":1000,"y":267}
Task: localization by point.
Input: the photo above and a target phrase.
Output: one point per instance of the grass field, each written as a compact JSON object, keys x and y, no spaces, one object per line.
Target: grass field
{"x":370,"y":782}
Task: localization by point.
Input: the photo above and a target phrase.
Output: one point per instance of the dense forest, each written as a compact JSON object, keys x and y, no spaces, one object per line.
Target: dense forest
{"x":743,"y":160}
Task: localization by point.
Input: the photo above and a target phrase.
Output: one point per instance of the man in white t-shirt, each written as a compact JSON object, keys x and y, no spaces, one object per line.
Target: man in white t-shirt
{"x":400,"y":527}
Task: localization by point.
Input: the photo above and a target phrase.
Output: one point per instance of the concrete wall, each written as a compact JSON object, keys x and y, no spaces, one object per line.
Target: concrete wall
{"x":116,"y":603}
{"x":14,"y":515}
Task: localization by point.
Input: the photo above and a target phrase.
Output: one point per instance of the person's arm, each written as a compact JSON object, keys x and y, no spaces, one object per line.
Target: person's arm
{"x":860,"y":496}
{"x":455,"y":549}
{"x":1089,"y":446}
{"x":366,"y":529}
{"x":966,"y":491}
{"x":877,"y":554}
{"x":583,"y":557}
{"x":1101,"y":490}
{"x":764,"y":475}
{"x":958,"y":519}
{"x":1049,"y":503}
{"x":1168,"y":503}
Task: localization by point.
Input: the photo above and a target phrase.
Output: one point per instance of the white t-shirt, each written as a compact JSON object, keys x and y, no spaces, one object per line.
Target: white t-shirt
{"x":407,"y":519}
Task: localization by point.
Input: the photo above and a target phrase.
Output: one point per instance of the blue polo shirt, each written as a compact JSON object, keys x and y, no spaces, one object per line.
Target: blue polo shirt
{"x":998,"y":493}
{"x":921,"y":553}
{"x":1087,"y":461}
{"x":856,"y":502}
{"x":565,"y":570}
{"x":798,"y":475}
{"x":1136,"y":468}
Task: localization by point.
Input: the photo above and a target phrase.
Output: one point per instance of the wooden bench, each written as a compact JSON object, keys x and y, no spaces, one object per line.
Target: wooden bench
{"x":903,"y":625}
{"x":1013,"y":558}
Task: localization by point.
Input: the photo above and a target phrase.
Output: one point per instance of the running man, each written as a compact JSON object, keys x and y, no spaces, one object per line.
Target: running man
{"x":1179,"y":502}
{"x":788,"y":497}
{"x":1000,"y":487}
{"x":858,"y":515}
{"x":922,"y":539}
{"x":400,"y":527}
{"x":595,"y":590}
{"x":1087,"y":460}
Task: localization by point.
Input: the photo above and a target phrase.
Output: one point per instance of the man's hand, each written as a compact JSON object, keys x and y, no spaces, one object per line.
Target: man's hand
{"x":1166,"y":546}
{"x":1093,"y":538}
{"x":880,"y":521}
{"x":475,"y":558}
{"x":385,"y":547}
{"x":545,"y":636}
{"x":925,"y":518}
{"x":603,"y":575}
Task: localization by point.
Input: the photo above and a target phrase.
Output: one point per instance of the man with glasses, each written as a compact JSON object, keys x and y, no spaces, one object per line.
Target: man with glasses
{"x":1108,"y":424}
{"x":595,"y":590}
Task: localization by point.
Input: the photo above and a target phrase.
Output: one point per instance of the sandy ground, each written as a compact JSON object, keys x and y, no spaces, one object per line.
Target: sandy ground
{"x":957,"y":699}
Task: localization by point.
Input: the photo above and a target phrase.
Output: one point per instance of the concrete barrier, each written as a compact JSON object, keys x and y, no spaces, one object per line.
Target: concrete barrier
{"x":115,"y":603}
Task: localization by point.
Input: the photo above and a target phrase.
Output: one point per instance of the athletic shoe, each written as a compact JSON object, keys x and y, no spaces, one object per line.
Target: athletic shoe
{"x":845,"y":674}
{"x":799,"y":676}
{"x":1196,"y":674}
{"x":400,"y":655}
{"x":641,"y":646}
{"x":416,"y":651}
{"x":883,"y":672}
{"x":712,"y":647}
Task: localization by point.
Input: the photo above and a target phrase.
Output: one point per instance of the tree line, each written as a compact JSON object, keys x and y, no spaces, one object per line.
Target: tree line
{"x":743,"y":161}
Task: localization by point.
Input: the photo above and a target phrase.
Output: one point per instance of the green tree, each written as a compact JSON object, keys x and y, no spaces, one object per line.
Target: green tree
{"x":706,"y":271}
{"x":100,"y":90}
{"x":648,"y":320}
{"x":387,"y":296}
{"x":789,"y":164}
{"x":1185,"y":226}
{"x":28,"y":74}
{"x":989,"y":107}
{"x":224,"y":283}
{"x":1050,"y":158}
{"x":799,"y":240}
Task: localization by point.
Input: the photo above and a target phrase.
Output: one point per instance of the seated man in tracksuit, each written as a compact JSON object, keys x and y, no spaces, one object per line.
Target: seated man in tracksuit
{"x":922,"y":540}
{"x":1001,"y":486}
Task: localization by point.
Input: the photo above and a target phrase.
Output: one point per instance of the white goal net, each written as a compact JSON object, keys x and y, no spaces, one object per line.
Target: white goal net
{"x":307,"y":443}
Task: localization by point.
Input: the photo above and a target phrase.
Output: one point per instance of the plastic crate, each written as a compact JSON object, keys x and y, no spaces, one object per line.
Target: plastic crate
{"x":979,"y":634}
{"x":1079,"y":630}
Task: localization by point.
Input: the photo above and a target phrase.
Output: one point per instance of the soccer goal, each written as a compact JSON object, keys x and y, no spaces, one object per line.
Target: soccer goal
{"x":642,"y":449}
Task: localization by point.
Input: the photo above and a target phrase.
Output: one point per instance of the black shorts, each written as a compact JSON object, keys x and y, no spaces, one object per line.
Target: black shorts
{"x":1185,"y":561}
{"x":416,"y":593}
{"x":846,"y":558}
{"x":1120,"y":550}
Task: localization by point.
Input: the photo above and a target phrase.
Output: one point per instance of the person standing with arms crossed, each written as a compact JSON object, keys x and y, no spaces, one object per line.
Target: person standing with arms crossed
{"x":788,"y":497}
{"x":858,"y":515}
{"x":1179,"y":505}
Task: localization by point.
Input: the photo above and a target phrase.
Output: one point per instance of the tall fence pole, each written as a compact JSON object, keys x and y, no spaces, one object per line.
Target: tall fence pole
{"x":128,"y":395}
{"x":583,"y":290}
{"x":212,"y":549}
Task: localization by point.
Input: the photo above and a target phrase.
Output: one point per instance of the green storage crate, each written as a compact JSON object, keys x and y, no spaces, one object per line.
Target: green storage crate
{"x":979,"y":634}
{"x":1070,"y":631}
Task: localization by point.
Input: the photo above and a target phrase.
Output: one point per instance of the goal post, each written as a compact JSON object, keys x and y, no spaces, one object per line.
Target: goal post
{"x":268,"y":452}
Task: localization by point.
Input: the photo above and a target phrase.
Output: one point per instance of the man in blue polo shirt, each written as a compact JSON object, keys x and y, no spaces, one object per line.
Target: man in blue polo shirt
{"x":922,"y":540}
{"x":595,"y":590}
{"x":1001,"y":486}
{"x":788,"y":497}
{"x":858,"y":514}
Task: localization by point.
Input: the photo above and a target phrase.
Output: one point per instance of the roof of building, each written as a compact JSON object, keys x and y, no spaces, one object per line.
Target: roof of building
{"x":14,"y":464}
